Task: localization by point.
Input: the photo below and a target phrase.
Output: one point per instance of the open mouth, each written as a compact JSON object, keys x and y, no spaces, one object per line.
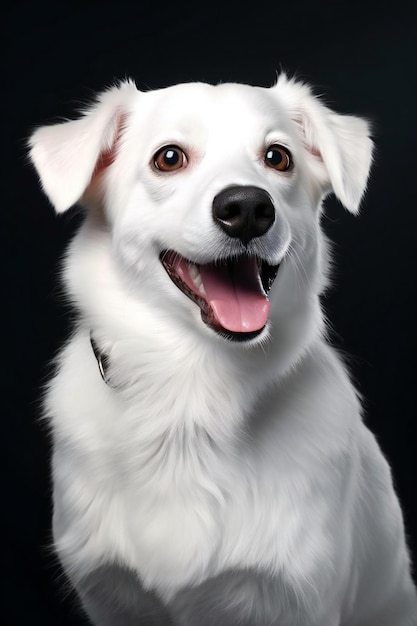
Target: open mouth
{"x":232,"y":294}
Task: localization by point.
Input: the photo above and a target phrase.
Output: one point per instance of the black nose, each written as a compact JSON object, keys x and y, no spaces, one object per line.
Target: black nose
{"x":244,"y":212}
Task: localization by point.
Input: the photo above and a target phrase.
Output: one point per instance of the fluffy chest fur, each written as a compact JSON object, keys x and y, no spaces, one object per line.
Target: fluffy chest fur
{"x":176,"y":477}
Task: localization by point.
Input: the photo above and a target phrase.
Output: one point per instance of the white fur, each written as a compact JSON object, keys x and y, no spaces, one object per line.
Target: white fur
{"x":236,"y":481}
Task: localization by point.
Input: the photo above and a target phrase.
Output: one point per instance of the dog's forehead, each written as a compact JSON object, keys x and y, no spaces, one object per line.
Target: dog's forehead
{"x":203,"y":106}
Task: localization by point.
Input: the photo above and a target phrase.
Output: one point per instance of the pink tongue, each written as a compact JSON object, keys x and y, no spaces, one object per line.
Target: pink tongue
{"x":235,"y":295}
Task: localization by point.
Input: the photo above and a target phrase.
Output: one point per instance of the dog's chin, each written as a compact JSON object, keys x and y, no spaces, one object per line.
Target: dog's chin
{"x":232,"y":294}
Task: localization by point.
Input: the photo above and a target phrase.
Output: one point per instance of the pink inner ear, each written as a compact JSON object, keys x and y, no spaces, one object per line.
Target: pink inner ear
{"x":108,"y":157}
{"x":315,"y":152}
{"x":303,"y":126}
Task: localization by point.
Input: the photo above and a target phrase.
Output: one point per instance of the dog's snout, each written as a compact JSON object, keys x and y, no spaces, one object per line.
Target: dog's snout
{"x":244,"y":212}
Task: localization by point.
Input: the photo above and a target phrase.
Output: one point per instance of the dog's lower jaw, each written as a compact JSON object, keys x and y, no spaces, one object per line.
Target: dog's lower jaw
{"x":235,"y":337}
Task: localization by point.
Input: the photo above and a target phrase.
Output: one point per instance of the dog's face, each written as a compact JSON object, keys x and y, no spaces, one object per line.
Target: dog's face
{"x":212,"y":193}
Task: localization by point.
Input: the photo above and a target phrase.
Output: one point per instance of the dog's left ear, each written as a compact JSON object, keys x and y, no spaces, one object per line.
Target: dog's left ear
{"x":339,"y":146}
{"x":70,"y":156}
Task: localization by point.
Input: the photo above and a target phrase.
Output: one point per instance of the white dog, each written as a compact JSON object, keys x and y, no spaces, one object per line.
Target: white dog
{"x":210,"y":461}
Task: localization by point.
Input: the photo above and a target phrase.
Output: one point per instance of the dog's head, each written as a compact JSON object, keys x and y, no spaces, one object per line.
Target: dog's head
{"x":212,"y":193}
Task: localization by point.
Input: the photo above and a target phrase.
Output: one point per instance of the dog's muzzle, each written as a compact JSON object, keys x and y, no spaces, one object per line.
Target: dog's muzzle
{"x":232,"y":293}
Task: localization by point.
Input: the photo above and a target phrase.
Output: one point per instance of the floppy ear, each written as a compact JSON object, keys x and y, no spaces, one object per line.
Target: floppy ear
{"x":68,"y":156}
{"x":340,"y":143}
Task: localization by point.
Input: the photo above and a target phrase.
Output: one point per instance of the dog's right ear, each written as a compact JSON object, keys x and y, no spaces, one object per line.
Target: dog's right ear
{"x":69,"y":156}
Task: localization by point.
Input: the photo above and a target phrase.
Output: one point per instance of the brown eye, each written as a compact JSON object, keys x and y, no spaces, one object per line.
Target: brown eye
{"x":169,"y":159}
{"x":278,"y":157}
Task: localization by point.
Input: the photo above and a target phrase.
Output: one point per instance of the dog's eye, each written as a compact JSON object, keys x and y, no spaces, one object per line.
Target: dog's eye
{"x":169,"y":159}
{"x":279,"y":158}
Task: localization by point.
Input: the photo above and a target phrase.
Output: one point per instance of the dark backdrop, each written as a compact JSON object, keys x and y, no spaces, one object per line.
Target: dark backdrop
{"x":361,"y":56}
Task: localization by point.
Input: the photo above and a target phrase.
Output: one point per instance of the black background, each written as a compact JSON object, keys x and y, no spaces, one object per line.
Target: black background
{"x":361,"y":56}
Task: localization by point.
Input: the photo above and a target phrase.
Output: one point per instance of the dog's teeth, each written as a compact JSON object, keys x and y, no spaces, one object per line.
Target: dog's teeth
{"x":193,"y":270}
{"x":196,"y":277}
{"x":197,"y":281}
